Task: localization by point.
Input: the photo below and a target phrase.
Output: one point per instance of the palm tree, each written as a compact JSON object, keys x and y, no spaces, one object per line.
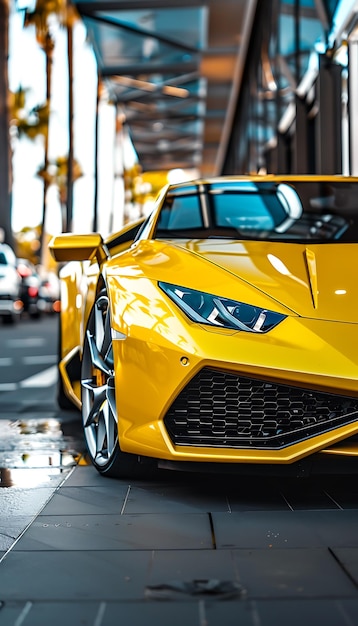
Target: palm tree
{"x":57,"y":174}
{"x":40,"y":19}
{"x":71,"y":17}
{"x":66,"y":15}
{"x":28,"y":123}
{"x":5,"y":147}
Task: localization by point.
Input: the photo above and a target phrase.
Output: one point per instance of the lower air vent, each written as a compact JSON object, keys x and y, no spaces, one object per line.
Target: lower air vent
{"x":222,"y":410}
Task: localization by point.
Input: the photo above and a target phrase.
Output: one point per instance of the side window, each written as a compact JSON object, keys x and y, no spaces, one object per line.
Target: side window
{"x":180,"y":212}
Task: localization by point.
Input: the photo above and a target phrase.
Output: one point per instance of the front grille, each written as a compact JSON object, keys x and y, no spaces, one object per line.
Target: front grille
{"x":221,"y":410}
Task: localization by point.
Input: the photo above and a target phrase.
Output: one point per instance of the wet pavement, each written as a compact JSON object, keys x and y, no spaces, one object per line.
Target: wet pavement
{"x":185,"y":549}
{"x":36,"y":454}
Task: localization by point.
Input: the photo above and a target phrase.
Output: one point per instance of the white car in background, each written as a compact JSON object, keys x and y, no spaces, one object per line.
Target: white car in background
{"x":10,"y":286}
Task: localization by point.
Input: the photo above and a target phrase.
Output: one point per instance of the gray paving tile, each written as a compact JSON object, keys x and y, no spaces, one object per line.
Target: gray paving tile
{"x":336,"y":528}
{"x":345,"y":495}
{"x":256,"y":497}
{"x":102,"y":499}
{"x":151,"y":614}
{"x":345,"y":501}
{"x":78,"y":576}
{"x":103,"y":613}
{"x":290,"y":529}
{"x":189,"y":565}
{"x":87,"y":475}
{"x":313,"y":612}
{"x":117,"y":532}
{"x":51,"y":613}
{"x":348,"y":558}
{"x":232,"y":613}
{"x":107,"y":577}
{"x":294,"y":573}
{"x":263,"y":529}
{"x":307,"y":496}
{"x":171,"y":498}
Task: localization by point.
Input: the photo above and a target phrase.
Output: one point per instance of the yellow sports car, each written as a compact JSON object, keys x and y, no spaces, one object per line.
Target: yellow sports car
{"x":220,"y":331}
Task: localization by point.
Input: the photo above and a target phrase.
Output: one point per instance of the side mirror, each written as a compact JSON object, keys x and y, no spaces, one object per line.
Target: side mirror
{"x":72,"y":247}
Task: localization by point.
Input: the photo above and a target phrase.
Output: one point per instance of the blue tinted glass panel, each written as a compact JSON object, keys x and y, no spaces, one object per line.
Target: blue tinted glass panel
{"x":246,"y":211}
{"x":180,"y":213}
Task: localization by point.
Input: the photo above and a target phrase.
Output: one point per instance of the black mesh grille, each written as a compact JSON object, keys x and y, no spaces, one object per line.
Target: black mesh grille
{"x":218,"y":409}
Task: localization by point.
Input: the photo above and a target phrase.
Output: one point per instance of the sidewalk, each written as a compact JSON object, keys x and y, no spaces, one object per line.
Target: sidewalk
{"x":185,"y":550}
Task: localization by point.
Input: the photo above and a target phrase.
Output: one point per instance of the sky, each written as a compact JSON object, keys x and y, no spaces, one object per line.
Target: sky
{"x":27,"y":69}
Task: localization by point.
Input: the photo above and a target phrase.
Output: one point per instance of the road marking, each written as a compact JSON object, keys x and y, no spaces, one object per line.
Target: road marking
{"x":24,"y":613}
{"x":29,"y":342}
{"x":46,"y":378}
{"x":39,"y":360}
{"x":99,"y":617}
{"x":6,"y":361}
{"x":8,"y":386}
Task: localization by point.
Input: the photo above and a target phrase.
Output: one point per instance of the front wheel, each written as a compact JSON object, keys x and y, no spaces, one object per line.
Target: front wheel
{"x":99,"y":412}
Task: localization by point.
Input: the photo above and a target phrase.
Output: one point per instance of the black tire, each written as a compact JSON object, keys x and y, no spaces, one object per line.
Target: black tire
{"x":10,"y":320}
{"x":99,"y":413}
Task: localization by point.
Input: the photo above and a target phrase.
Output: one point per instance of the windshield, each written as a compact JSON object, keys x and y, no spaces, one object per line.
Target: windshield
{"x":298,"y":212}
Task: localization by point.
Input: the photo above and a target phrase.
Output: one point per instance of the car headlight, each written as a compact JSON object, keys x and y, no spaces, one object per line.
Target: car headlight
{"x":206,"y":308}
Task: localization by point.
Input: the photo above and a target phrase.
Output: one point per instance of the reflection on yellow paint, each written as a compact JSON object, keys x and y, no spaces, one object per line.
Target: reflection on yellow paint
{"x":280,"y":267}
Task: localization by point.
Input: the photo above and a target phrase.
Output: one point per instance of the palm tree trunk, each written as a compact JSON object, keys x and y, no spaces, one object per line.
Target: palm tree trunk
{"x":5,"y":147}
{"x":95,"y":207}
{"x":48,"y":49}
{"x":69,"y":207}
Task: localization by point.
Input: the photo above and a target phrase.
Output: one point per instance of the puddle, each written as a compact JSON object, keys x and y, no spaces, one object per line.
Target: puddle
{"x":36,"y":456}
{"x":32,"y":478}
{"x":39,"y":426}
{"x":36,"y":452}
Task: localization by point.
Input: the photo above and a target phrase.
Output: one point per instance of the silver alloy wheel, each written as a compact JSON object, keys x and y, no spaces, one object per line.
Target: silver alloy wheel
{"x":97,"y":386}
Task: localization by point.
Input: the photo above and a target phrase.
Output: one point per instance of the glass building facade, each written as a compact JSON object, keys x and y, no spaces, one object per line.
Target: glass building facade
{"x":297,"y":102}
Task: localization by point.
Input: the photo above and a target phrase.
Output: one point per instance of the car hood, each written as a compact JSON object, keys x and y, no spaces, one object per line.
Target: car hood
{"x":317,"y":281}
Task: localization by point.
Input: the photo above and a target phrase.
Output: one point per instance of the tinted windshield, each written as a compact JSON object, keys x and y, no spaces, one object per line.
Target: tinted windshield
{"x":303,"y":211}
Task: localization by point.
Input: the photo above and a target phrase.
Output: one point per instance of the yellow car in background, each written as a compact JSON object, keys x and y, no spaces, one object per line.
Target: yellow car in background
{"x":221,"y":331}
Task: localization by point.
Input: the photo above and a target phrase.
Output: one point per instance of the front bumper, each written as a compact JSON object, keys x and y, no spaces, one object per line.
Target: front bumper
{"x":238,"y":398}
{"x":9,"y":307}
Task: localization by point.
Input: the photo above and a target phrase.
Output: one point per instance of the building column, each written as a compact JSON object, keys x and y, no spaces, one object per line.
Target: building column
{"x":328,"y":138}
{"x":353,"y":101}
